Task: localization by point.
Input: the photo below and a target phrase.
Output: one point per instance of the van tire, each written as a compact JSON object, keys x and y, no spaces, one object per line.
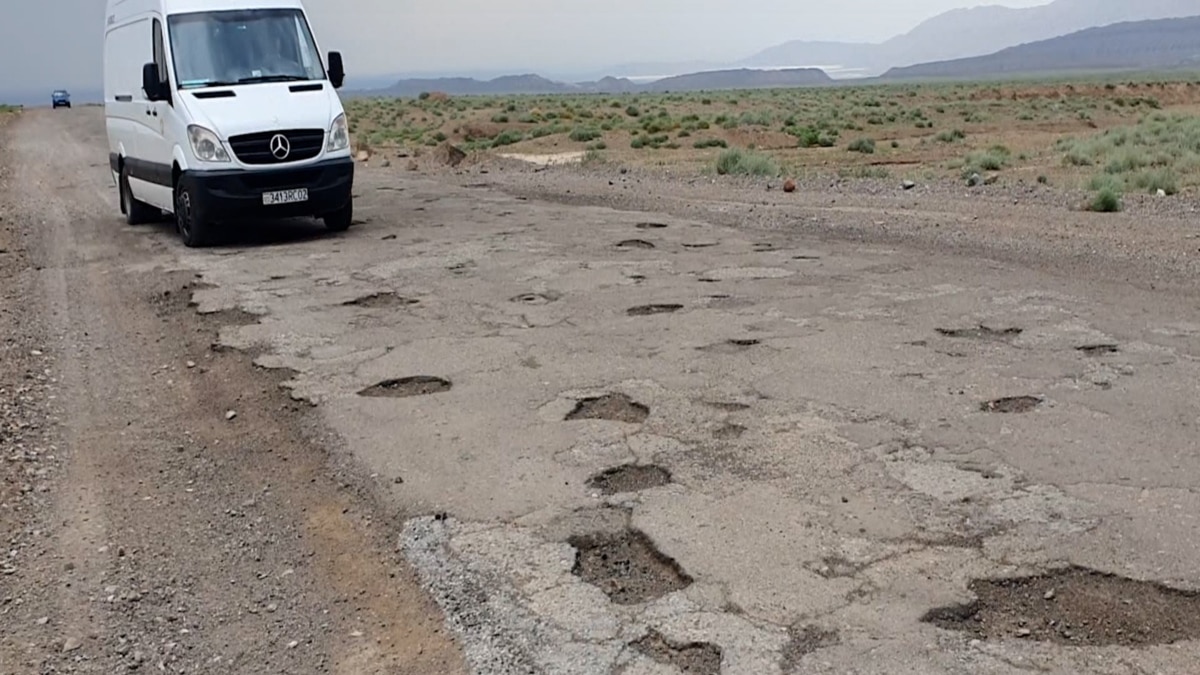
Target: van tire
{"x":190,"y":222}
{"x":340,"y":220}
{"x":136,"y":212}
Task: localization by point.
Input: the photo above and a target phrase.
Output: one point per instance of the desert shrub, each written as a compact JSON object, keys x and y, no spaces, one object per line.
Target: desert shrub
{"x":739,"y":162}
{"x":951,"y":135}
{"x":584,"y":134}
{"x":864,"y":145}
{"x":508,"y":137}
{"x":1154,"y":180}
{"x":1106,"y":200}
{"x":633,"y":111}
{"x":710,"y":143}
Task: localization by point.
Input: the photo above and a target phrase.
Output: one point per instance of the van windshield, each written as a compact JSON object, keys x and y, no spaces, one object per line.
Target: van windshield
{"x":242,"y":47}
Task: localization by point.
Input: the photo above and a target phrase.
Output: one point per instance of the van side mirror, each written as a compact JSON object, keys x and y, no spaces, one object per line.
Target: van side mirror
{"x":151,"y":84}
{"x":337,"y":72}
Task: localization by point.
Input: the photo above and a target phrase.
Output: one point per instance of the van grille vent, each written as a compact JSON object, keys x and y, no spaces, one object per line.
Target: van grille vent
{"x":261,"y":148}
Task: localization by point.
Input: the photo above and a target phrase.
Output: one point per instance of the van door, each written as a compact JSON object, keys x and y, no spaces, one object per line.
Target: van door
{"x":155,"y":143}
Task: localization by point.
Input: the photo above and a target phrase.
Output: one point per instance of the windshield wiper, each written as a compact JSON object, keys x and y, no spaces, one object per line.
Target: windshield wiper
{"x":273,"y":78}
{"x":209,"y":83}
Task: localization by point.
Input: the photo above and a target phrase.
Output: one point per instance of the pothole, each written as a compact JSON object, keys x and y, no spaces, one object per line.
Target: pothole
{"x":651,"y":226}
{"x":1076,"y":606}
{"x":734,"y":346}
{"x":804,"y":640}
{"x":729,"y":432}
{"x":629,"y":478}
{"x":535,"y":298}
{"x":420,"y":385}
{"x":381,"y":299}
{"x":648,"y":310}
{"x":611,"y":407}
{"x":728,"y":406}
{"x":635,"y":243}
{"x":981,"y":332}
{"x":626,"y":567}
{"x":1011,"y":404}
{"x":1098,"y":350}
{"x":690,"y":658}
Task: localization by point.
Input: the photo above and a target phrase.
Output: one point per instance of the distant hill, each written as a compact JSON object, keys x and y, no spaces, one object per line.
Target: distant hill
{"x":976,"y":31}
{"x":741,"y":79}
{"x":536,"y":84}
{"x":1135,"y":45}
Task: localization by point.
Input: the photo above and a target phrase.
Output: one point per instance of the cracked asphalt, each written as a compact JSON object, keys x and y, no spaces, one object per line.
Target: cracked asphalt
{"x":829,"y":413}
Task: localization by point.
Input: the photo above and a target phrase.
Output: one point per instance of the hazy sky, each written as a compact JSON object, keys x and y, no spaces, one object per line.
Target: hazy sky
{"x":50,"y":43}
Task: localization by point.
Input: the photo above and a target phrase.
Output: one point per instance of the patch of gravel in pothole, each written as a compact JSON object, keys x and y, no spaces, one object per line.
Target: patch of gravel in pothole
{"x":690,"y":658}
{"x":734,"y":346}
{"x":629,"y":478}
{"x":729,"y":432}
{"x":651,"y":226}
{"x":419,"y":385}
{"x":614,"y":407}
{"x":635,"y":243}
{"x":1011,"y":404}
{"x":535,"y":298}
{"x":650,"y":310}
{"x":981,"y":332}
{"x":1076,"y":606}
{"x":804,"y":640}
{"x":626,"y":567}
{"x":1098,"y":350}
{"x":382,"y":299}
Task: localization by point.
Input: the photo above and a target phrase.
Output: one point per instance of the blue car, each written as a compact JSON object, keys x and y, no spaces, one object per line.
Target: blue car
{"x":61,"y":98}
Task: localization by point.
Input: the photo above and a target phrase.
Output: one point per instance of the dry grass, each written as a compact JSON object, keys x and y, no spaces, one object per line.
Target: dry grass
{"x":1140,"y":131}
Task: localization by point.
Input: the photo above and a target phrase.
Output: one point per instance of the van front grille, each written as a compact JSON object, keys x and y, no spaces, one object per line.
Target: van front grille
{"x":260,"y":148}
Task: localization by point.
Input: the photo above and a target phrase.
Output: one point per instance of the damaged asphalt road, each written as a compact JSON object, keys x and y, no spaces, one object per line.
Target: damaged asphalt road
{"x":721,"y":450}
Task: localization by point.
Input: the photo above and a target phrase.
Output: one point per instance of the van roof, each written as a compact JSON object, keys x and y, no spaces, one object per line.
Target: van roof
{"x":181,"y":6}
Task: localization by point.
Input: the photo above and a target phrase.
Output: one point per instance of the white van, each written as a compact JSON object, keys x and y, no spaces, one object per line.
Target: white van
{"x":222,"y":110}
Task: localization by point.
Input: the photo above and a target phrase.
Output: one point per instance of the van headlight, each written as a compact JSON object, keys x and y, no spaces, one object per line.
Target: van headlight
{"x":206,"y":146}
{"x":339,"y":135}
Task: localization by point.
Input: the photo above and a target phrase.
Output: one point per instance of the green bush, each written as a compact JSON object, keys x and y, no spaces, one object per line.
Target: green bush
{"x":584,"y":135}
{"x":1154,"y":180}
{"x":508,"y":137}
{"x":864,"y":145}
{"x":951,"y":135}
{"x":710,"y":143}
{"x":739,"y":162}
{"x":1106,"y":200}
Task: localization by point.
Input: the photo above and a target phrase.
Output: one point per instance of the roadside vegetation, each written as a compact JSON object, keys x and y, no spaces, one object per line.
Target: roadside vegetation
{"x":1110,"y":137}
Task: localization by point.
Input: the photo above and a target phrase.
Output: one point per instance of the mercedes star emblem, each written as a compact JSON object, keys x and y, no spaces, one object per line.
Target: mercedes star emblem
{"x":280,"y":147}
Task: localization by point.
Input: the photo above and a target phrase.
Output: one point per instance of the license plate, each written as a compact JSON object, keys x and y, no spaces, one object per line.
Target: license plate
{"x":285,"y":197}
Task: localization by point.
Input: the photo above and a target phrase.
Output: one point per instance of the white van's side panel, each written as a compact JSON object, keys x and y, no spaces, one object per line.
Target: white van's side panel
{"x":163,"y":130}
{"x":124,"y":101}
{"x":134,"y":123}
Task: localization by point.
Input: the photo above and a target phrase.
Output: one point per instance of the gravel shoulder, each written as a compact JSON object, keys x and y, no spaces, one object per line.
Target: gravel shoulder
{"x":165,"y":505}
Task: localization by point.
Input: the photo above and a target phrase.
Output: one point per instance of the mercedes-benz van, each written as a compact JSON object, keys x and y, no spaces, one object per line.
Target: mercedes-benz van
{"x":224,"y":110}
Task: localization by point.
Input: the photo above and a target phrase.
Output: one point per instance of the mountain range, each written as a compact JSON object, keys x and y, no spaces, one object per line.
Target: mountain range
{"x":976,"y":31}
{"x":1133,"y":45}
{"x":1063,"y":31}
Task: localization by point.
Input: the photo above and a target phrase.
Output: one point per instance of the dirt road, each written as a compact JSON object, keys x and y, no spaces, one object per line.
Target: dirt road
{"x":487,"y":433}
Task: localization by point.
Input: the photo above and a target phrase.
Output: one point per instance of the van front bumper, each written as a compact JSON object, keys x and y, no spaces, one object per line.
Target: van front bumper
{"x":237,"y":194}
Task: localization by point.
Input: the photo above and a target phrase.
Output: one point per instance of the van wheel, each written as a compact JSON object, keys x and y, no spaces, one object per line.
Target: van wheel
{"x":189,"y":219}
{"x":340,"y":220}
{"x":136,"y":212}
